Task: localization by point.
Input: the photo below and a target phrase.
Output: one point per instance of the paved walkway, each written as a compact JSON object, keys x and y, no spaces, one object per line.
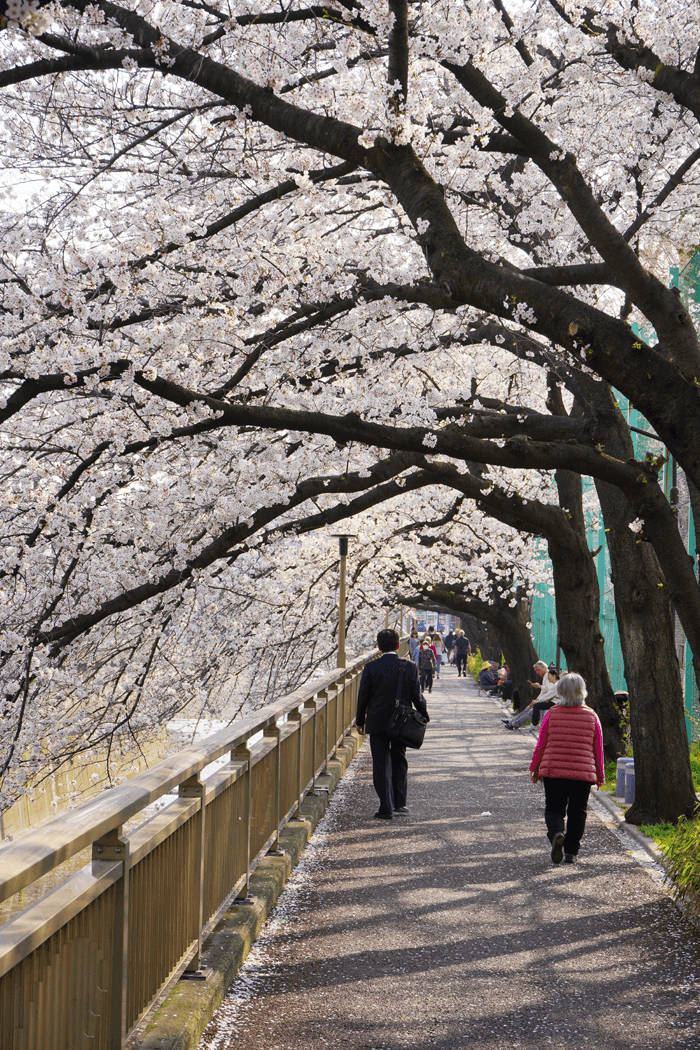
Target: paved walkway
{"x":450,"y":928}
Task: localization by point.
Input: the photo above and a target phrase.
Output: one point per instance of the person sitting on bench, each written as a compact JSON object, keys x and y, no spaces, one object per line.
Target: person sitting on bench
{"x":546,"y":699}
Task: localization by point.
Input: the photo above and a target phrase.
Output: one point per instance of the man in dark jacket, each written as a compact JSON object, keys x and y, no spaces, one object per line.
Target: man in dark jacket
{"x":462,"y":651}
{"x":375,"y":705}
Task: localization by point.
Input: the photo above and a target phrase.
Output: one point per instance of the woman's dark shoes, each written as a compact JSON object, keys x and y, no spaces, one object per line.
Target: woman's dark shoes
{"x":401,"y":809}
{"x":382,"y":816}
{"x":558,"y":848}
{"x":569,"y":858}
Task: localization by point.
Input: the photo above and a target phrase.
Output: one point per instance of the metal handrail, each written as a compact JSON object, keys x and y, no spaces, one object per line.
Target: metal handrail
{"x":43,"y":848}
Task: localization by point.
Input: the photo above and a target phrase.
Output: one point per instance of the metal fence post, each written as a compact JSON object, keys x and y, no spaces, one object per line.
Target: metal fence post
{"x":242,"y":754}
{"x":194,"y":788}
{"x":273,"y":733}
{"x":105,"y":851}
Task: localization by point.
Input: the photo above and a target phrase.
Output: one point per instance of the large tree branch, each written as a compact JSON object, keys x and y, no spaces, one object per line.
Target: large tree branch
{"x":97,"y":60}
{"x":381,"y":494}
{"x":455,"y":440}
{"x":539,"y":519}
{"x":324,"y":133}
{"x":599,"y":341}
{"x":520,"y":45}
{"x":577,"y":274}
{"x":398,"y":50}
{"x":220,"y":547}
{"x":673,"y":183}
{"x":255,"y":203}
{"x":30,"y":389}
{"x":671,"y":321}
{"x":684,"y":87}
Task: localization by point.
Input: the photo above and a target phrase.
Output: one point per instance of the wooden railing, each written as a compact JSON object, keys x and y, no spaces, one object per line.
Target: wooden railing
{"x":80,"y":967}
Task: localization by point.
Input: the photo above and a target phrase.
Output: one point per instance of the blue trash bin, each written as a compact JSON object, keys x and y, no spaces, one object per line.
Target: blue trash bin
{"x":629,"y":783}
{"x":620,"y":773}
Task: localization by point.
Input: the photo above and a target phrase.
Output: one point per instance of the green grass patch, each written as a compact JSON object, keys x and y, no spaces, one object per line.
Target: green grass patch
{"x":662,"y":834}
{"x":474,"y":664}
{"x":695,"y":763}
{"x":682,"y":859}
{"x":610,"y":775}
{"x":679,"y":844}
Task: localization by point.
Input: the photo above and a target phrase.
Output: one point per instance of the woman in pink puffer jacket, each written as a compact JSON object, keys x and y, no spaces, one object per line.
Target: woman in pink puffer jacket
{"x":569,"y":759}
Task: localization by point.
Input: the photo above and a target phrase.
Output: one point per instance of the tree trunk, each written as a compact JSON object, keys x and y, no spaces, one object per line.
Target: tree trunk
{"x":663,"y":779}
{"x":519,"y":653}
{"x":482,"y":636}
{"x":578,"y":610}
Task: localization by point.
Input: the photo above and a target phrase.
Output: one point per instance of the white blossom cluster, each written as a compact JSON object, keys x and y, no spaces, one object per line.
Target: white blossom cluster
{"x":28,"y":14}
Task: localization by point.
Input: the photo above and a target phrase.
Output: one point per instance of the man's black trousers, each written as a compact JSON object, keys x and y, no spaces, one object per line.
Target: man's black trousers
{"x":568,"y":799}
{"x":389,"y":771}
{"x":538,"y":709}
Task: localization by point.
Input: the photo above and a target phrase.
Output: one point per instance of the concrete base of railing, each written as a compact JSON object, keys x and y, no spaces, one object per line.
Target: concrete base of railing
{"x":179,"y":1022}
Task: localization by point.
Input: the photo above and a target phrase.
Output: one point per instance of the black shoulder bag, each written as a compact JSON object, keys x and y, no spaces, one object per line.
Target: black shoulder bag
{"x":405,"y":724}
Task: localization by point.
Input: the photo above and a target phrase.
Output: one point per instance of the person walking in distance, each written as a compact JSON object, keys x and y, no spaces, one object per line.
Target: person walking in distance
{"x":439,"y":651}
{"x":426,"y":666}
{"x":375,"y":704}
{"x":413,"y":645}
{"x":569,"y":759}
{"x":462,"y":651}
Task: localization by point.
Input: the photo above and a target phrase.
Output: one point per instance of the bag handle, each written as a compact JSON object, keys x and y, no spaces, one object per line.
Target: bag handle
{"x":399,"y":687}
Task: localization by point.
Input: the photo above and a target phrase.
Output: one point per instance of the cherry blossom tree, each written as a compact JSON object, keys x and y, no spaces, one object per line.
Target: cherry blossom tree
{"x":249,"y":247}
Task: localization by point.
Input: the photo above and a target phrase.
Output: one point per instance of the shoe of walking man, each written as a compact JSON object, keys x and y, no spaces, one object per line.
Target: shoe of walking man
{"x":375,"y":706}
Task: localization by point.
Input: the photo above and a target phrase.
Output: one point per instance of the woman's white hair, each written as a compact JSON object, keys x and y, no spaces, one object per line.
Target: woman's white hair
{"x":571,"y":690}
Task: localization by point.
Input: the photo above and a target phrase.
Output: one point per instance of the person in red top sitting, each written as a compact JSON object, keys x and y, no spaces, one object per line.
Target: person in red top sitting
{"x":569,"y":759}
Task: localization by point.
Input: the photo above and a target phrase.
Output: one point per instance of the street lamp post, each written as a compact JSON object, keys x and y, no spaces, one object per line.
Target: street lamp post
{"x":343,"y":550}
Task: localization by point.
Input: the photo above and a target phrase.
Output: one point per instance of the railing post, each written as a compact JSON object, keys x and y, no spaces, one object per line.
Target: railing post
{"x":242,"y":754}
{"x":110,"y":848}
{"x":353,"y":699}
{"x":340,"y":705}
{"x":295,"y":716}
{"x":194,"y":788}
{"x":311,"y":705}
{"x":352,"y":705}
{"x":347,"y":703}
{"x":273,"y":733}
{"x":328,"y":719}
